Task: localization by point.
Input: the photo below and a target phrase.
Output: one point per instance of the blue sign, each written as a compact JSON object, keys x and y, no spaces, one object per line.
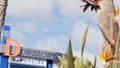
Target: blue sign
{"x":5,"y":34}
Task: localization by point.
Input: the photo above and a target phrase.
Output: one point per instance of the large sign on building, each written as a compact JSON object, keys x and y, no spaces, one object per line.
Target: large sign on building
{"x":39,"y":54}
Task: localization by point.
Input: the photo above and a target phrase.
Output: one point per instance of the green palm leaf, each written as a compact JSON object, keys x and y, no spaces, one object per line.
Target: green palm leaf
{"x":63,"y":62}
{"x":94,"y":66}
{"x":84,"y":40}
{"x":77,"y":62}
{"x":70,"y":58}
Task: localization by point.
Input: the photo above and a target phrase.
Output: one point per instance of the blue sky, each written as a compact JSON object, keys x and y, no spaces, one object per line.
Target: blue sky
{"x":48,"y":25}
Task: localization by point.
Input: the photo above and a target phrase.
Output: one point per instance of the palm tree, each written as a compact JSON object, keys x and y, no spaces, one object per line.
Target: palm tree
{"x":3,"y":7}
{"x":103,"y":8}
{"x":107,"y":6}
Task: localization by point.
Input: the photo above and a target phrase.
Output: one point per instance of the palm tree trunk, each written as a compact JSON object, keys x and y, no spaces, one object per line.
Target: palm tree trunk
{"x":106,"y":7}
{"x":3,"y":7}
{"x":104,"y":20}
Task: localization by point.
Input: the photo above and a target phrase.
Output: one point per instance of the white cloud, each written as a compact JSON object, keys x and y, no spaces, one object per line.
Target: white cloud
{"x":69,"y":7}
{"x":55,"y":43}
{"x":31,"y":28}
{"x":23,"y":31}
{"x":45,"y":9}
{"x":32,"y":9}
{"x":94,"y":37}
{"x":45,"y":29}
{"x":77,"y":29}
{"x":25,"y":26}
{"x":72,"y":9}
{"x":117,"y":3}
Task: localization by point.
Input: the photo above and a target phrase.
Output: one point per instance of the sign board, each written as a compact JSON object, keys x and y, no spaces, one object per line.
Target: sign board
{"x":39,"y":54}
{"x":34,"y":53}
{"x":28,"y":61}
{"x":5,"y":33}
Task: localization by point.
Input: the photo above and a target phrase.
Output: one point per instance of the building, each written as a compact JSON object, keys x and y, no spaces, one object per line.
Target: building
{"x":30,"y":58}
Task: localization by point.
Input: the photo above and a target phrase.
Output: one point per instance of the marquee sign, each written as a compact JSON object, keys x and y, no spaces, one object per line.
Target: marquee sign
{"x":33,"y":53}
{"x":28,"y":61}
{"x":39,"y":54}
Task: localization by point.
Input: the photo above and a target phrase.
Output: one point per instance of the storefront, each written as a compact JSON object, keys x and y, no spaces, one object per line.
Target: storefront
{"x":29,"y":58}
{"x":20,"y":57}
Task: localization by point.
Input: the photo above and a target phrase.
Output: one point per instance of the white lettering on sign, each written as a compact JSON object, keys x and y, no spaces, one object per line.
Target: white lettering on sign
{"x":28,"y":61}
{"x":6,"y":33}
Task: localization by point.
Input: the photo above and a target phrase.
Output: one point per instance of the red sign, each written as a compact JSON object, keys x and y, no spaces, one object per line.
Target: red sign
{"x":7,"y":48}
